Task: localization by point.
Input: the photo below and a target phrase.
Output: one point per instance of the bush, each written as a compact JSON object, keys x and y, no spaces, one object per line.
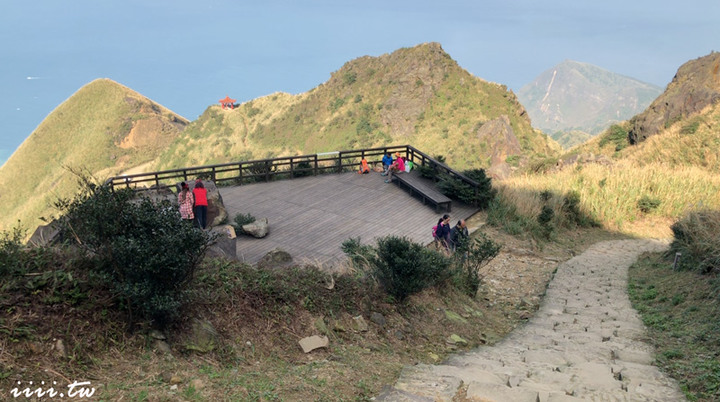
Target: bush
{"x":142,"y":251}
{"x":696,"y":237}
{"x":574,"y":213}
{"x":242,"y":219}
{"x":616,"y":135}
{"x":429,"y":171}
{"x":259,"y":170}
{"x":403,"y":267}
{"x":12,"y":254}
{"x":303,"y":169}
{"x":469,"y":257}
{"x":460,"y":190}
{"x":360,"y":254}
{"x":545,"y":220}
{"x":691,"y":127}
{"x":646,"y":204}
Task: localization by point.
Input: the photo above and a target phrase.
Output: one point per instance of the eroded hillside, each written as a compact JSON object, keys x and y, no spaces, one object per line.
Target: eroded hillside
{"x":104,"y":128}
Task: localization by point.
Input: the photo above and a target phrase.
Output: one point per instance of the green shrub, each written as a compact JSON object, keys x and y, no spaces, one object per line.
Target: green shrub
{"x":691,"y":127}
{"x":545,"y":219}
{"x":647,"y":204}
{"x":257,"y":171}
{"x":349,"y":77}
{"x":359,"y":254}
{"x":141,"y":249}
{"x":429,"y":170}
{"x":242,"y":219}
{"x":12,"y":253}
{"x":616,"y":135}
{"x":460,"y":190}
{"x":302,"y":169}
{"x":336,"y":104}
{"x":469,"y":257}
{"x":403,"y":267}
{"x":574,"y":213}
{"x":695,"y":236}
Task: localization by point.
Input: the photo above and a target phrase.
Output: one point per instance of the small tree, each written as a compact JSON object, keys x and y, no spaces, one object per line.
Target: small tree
{"x":470,"y":256}
{"x":141,"y":249}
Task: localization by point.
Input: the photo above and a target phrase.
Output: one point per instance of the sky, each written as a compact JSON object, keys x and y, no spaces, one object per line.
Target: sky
{"x":186,"y":55}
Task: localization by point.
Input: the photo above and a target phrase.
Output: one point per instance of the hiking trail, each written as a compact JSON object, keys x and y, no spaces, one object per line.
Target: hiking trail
{"x":585,"y":342}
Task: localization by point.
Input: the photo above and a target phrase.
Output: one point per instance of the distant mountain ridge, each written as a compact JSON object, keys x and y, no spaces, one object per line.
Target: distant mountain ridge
{"x":575,"y":96}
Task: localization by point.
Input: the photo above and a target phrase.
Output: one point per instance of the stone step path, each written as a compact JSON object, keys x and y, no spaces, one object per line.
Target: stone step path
{"x":584,"y":343}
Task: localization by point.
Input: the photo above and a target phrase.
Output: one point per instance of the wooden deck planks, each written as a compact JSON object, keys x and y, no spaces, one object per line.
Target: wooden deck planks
{"x":310,"y":217}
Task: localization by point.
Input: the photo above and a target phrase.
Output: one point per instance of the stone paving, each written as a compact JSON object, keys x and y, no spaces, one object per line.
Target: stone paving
{"x":584,"y":343}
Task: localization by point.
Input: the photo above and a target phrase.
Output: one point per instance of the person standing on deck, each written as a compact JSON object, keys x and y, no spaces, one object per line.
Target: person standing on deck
{"x":201,"y":204}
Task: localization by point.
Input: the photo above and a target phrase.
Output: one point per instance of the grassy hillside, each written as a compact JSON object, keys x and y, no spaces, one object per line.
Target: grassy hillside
{"x":104,"y":127}
{"x":414,"y":95}
{"x":642,"y":190}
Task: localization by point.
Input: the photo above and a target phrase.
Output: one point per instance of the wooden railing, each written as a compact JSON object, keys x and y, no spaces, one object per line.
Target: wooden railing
{"x":239,"y":173}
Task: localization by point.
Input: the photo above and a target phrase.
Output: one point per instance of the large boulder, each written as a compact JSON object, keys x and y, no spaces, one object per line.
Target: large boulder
{"x":45,"y":235}
{"x":276,"y":258}
{"x":502,"y":145}
{"x":257,"y":229}
{"x":224,"y":245}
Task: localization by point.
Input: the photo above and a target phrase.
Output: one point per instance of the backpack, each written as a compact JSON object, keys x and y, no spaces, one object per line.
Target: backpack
{"x":434,"y":231}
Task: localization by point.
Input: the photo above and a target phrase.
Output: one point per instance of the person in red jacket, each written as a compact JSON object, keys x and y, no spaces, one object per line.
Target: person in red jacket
{"x":201,"y":204}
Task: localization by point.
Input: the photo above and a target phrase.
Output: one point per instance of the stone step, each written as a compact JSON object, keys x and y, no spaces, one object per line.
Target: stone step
{"x":584,"y":343}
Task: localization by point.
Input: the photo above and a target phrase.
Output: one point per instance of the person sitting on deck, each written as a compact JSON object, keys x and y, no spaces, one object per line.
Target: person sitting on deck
{"x":364,"y":168}
{"x":398,"y":166}
{"x":387,"y":160}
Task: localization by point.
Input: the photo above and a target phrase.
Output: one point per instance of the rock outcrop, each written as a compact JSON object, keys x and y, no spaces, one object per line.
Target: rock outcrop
{"x":503,"y":146}
{"x":695,"y":86}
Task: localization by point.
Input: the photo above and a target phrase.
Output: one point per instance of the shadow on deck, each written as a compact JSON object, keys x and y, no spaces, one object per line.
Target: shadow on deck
{"x":310,"y":217}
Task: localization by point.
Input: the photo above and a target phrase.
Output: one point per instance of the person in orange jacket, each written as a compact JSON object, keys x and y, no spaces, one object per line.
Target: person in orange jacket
{"x":364,"y":168}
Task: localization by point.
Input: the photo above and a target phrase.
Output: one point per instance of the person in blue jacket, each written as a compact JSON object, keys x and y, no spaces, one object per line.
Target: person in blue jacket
{"x":387,"y":160}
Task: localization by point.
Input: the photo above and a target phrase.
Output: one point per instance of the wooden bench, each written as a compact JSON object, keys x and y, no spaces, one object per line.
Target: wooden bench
{"x":424,"y":188}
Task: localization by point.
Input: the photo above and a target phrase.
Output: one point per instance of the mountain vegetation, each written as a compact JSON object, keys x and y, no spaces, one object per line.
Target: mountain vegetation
{"x":104,"y":128}
{"x":417,"y":95}
{"x":638,"y":188}
{"x":573,"y":101}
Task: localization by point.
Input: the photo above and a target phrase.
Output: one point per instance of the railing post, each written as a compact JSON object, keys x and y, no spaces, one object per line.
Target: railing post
{"x":292,"y":172}
{"x":157,"y":180}
{"x":213,"y":175}
{"x":340,"y":165}
{"x":315,"y":169}
{"x":267,"y":171}
{"x":240,"y":174}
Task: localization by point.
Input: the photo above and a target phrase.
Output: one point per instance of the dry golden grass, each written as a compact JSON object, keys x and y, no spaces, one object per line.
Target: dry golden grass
{"x":610,"y":194}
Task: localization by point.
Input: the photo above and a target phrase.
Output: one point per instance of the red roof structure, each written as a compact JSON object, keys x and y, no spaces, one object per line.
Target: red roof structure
{"x":227,"y":102}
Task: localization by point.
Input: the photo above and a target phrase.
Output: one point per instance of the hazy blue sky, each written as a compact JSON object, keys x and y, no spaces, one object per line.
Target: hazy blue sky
{"x":186,"y":55}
